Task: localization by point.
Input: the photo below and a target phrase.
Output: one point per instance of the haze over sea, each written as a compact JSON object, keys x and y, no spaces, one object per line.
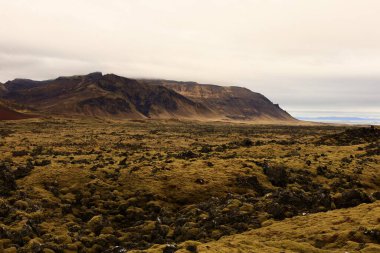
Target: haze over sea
{"x":341,"y":117}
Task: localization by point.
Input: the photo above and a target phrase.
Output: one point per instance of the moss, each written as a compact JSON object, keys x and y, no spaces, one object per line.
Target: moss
{"x":191,"y":181}
{"x":21,"y":204}
{"x":107,"y":230}
{"x":96,"y":223}
{"x":48,"y":250}
{"x":10,"y":250}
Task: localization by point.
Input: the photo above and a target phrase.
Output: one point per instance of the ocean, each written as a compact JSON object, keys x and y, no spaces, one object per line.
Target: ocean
{"x":340,"y":117}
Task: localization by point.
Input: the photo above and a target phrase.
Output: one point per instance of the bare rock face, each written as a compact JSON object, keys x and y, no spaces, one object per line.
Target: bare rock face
{"x":112,"y":96}
{"x":234,"y":103}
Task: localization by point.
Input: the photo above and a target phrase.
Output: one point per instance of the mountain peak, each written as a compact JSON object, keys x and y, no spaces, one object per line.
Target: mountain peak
{"x":95,"y":75}
{"x":113,"y":96}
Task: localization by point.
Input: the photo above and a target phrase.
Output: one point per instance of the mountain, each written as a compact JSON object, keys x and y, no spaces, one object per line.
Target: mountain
{"x":113,"y":96}
{"x":228,"y":102}
{"x":102,"y":96}
{"x":6,"y":113}
{"x":3,"y":90}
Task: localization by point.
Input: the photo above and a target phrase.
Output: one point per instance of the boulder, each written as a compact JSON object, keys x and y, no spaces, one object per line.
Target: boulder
{"x":277,"y":175}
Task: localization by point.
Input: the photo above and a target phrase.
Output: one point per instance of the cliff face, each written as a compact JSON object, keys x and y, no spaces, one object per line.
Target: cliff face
{"x":113,"y":96}
{"x":228,"y":102}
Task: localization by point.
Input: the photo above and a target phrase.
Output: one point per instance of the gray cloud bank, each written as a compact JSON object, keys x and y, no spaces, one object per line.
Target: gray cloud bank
{"x":305,"y":55}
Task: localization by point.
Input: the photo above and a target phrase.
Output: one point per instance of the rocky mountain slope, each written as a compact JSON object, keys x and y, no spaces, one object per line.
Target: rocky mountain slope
{"x":7,"y":113}
{"x":230,"y":102}
{"x":2,"y":89}
{"x":103,"y":96}
{"x":112,"y":96}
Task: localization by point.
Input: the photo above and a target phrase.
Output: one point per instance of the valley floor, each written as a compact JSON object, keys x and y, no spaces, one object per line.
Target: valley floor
{"x":70,"y":185}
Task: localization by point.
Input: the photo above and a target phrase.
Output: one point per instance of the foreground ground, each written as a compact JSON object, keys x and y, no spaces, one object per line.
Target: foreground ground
{"x":95,"y":186}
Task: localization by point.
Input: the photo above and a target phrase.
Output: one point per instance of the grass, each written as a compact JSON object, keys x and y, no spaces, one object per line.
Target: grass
{"x":92,"y":185}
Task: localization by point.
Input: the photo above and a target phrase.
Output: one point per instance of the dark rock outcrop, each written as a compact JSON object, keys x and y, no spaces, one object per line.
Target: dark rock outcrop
{"x":352,"y":136}
{"x":7,"y":180}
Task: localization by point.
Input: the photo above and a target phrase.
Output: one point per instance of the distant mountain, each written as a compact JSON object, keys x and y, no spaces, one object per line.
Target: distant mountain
{"x":228,"y":102}
{"x":102,"y":96}
{"x":112,"y":96}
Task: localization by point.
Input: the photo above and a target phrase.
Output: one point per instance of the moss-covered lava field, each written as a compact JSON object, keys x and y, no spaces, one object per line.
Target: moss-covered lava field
{"x":79,"y":185}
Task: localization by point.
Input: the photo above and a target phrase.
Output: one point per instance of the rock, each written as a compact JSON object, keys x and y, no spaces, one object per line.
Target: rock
{"x":116,"y":249}
{"x":7,"y":181}
{"x":10,"y":250}
{"x":351,"y":198}
{"x":276,"y":210}
{"x":123,"y":162}
{"x":46,"y":250}
{"x":374,"y":234}
{"x":246,"y":143}
{"x":353,"y":136}
{"x":192,"y":248}
{"x":277,"y":175}
{"x":21,"y":172}
{"x":42,"y":162}
{"x":200,"y":181}
{"x":21,"y":204}
{"x":376,"y":195}
{"x":170,"y":248}
{"x":96,"y":224}
{"x":250,"y":182}
{"x":134,"y":213}
{"x":5,"y":243}
{"x":4,"y":208}
{"x":186,"y":155}
{"x":35,"y":245}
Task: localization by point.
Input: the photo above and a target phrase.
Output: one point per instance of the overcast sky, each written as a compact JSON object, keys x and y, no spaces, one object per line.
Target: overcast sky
{"x":316,"y":55}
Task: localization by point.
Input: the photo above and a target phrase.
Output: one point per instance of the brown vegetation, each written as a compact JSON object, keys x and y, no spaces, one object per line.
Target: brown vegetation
{"x":168,"y":186}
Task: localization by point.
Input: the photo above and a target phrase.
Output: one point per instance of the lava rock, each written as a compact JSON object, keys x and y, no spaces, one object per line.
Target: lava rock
{"x":351,"y":198}
{"x":170,"y":248}
{"x":7,"y":180}
{"x":376,"y":195}
{"x":277,"y":175}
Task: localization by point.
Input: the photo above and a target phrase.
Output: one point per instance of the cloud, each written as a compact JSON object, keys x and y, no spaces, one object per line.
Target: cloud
{"x":298,"y":53}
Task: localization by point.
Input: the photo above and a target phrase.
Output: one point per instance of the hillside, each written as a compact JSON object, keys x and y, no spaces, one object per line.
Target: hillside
{"x":229,"y":102}
{"x":3,"y":90}
{"x":112,"y":96}
{"x":102,"y":96}
{"x":7,"y":113}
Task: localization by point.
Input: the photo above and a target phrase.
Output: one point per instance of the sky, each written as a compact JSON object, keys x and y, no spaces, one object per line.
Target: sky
{"x":309,"y":56}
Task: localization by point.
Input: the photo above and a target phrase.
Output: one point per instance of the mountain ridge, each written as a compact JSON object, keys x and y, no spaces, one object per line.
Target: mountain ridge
{"x":237,"y":102}
{"x":113,"y":96}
